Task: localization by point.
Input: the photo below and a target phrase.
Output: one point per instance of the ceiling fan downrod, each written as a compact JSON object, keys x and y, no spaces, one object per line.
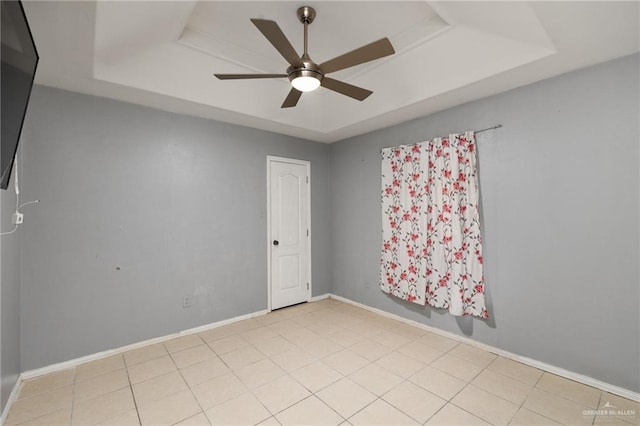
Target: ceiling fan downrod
{"x":310,"y":72}
{"x":306,"y":15}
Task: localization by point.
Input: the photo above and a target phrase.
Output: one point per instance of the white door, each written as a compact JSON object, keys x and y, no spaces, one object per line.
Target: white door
{"x":289,"y":231}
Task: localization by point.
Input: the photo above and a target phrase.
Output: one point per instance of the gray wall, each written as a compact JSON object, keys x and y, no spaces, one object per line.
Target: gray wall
{"x":139,"y":207}
{"x":559,"y":188}
{"x":178,"y":204}
{"x":9,"y":296}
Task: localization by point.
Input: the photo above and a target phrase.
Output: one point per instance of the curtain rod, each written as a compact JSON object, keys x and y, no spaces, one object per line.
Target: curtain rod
{"x":495,"y":126}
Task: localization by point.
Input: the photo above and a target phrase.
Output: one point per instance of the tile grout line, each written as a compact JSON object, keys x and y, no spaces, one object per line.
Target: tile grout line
{"x":288,"y":373}
{"x":320,"y":360}
{"x":593,"y":421}
{"x":249,"y":390}
{"x":404,"y":379}
{"x":535,"y":385}
{"x":185,"y":382}
{"x":312,"y":393}
{"x":73,"y":394}
{"x":498,"y":396}
{"x":40,"y":394}
{"x":133,"y":395}
{"x":527,"y":397}
{"x":231,"y":370}
{"x":450,"y":400}
{"x":191,"y":390}
{"x":217,"y":355}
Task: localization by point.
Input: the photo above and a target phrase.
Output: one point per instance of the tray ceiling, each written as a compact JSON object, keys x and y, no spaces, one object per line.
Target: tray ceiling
{"x":164,"y":54}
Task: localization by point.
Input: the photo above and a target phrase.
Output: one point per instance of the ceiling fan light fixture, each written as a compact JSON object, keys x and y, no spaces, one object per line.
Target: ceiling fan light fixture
{"x":305,"y":84}
{"x":305,"y":79}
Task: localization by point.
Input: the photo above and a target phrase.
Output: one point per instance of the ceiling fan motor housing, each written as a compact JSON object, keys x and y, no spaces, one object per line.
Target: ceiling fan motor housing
{"x":310,"y":69}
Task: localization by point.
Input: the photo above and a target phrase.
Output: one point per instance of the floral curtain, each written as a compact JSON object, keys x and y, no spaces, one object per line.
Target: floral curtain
{"x":431,"y":243}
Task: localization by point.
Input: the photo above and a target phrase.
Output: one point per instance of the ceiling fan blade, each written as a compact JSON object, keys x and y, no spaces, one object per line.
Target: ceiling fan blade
{"x":347,"y":89}
{"x":292,"y":98}
{"x":246,"y":76}
{"x":276,"y":37}
{"x":376,"y":50}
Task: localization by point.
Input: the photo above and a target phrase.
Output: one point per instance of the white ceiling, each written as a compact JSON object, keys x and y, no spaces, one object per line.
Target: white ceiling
{"x":163,"y":54}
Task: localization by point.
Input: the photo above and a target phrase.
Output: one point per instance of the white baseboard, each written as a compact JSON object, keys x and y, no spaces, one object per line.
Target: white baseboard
{"x":590,"y":381}
{"x":77,"y":361}
{"x":322,"y":296}
{"x":12,"y":397}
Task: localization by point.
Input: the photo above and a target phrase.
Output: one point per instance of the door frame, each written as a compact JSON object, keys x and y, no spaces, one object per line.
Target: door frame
{"x":307,"y":164}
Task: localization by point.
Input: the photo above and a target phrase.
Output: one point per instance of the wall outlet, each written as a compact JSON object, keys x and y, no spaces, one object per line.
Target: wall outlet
{"x":186,"y":302}
{"x":17,"y":218}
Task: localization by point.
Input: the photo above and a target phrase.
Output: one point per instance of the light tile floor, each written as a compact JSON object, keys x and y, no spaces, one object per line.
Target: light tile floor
{"x":317,"y":363}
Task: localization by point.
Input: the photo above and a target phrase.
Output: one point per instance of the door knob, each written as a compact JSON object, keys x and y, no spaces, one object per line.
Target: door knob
{"x":276,"y":242}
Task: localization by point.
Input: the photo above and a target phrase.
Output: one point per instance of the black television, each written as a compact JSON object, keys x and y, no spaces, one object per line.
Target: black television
{"x":19,"y":62}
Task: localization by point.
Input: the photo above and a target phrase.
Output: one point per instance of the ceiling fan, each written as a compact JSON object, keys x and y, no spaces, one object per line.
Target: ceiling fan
{"x":304,"y":74}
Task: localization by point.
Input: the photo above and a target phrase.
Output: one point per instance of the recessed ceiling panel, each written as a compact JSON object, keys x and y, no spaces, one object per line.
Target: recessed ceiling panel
{"x":338,"y":27}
